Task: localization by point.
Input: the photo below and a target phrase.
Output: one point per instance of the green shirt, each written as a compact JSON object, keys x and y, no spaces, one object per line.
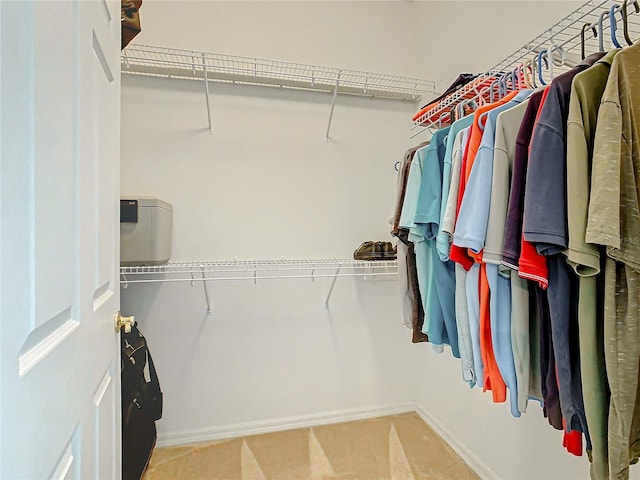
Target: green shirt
{"x":587,"y":89}
{"x":614,"y":222}
{"x":614,"y":212}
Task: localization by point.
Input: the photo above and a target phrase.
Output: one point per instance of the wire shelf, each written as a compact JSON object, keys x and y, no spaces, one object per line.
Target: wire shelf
{"x":256,"y":270}
{"x":565,"y":34}
{"x":196,"y":272}
{"x":187,"y":64}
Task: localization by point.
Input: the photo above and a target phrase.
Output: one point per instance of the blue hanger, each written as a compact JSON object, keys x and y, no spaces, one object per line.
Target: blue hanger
{"x":515,"y":78}
{"x":614,"y":26}
{"x":540,"y":55}
{"x":502,"y":85}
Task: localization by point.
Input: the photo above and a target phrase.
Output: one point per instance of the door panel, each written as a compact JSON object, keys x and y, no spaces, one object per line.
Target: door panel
{"x":59,"y":179}
{"x":105,"y":433}
{"x":54,"y":159}
{"x":68,"y":466}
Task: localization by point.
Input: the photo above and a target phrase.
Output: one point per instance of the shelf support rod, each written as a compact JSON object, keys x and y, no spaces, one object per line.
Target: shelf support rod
{"x":333,"y":284}
{"x":333,"y":106}
{"x":206,"y":91}
{"x":206,"y":292}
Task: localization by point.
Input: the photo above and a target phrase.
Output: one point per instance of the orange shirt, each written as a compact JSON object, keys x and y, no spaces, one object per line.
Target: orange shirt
{"x":460,"y":255}
{"x":492,"y":378}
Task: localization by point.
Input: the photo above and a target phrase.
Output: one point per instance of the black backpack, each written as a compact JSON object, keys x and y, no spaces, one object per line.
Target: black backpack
{"x":141,"y":404}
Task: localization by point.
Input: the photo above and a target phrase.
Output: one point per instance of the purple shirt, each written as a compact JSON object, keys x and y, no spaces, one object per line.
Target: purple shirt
{"x":513,"y":225}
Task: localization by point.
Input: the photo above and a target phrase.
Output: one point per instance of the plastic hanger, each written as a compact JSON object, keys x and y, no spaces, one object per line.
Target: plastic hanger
{"x":540,"y":56}
{"x":614,"y":26}
{"x":529,"y":71}
{"x":495,"y":83}
{"x":549,"y":57}
{"x":522,"y":81}
{"x":502,"y":86}
{"x":601,"y":30}
{"x":582,"y":39}
{"x":461,"y":106}
{"x":453,"y":113}
{"x":481,"y":94}
{"x":515,"y":80}
{"x":625,"y":20}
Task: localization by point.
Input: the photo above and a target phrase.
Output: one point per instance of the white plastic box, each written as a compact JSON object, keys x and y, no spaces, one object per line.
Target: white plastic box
{"x":147,"y":239}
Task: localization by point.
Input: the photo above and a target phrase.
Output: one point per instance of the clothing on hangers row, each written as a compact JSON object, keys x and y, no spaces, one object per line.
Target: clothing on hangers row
{"x":520,"y":251}
{"x":531,"y":73}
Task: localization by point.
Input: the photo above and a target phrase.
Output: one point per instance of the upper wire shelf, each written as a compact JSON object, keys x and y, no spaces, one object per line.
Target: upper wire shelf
{"x":187,"y":64}
{"x":565,"y":36}
{"x":256,"y":270}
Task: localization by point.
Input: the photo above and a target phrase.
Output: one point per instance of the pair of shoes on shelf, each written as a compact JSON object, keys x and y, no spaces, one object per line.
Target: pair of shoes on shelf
{"x":375,"y":251}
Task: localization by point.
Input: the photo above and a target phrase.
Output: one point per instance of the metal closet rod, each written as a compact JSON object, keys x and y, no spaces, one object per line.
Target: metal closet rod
{"x":564,"y":34}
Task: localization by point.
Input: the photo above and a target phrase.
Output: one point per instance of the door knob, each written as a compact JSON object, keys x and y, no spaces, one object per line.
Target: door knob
{"x":126,"y":322}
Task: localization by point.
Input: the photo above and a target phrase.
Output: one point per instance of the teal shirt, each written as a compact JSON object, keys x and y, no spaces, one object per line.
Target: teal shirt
{"x":440,"y":322}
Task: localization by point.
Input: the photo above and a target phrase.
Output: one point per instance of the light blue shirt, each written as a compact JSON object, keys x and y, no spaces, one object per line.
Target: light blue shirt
{"x":443,"y":241}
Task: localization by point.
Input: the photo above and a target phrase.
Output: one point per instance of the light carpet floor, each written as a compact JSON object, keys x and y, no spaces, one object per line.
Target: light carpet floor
{"x":397,"y":447}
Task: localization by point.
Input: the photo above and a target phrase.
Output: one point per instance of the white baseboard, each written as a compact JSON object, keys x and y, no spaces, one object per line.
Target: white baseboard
{"x":286,"y":423}
{"x":470,"y":458}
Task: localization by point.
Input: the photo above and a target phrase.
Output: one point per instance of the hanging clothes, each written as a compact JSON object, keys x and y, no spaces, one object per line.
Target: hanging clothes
{"x":407,"y":269}
{"x":526,"y":221}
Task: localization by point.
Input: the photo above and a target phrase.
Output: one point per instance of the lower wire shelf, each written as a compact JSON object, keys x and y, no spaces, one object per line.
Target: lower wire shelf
{"x":256,"y":270}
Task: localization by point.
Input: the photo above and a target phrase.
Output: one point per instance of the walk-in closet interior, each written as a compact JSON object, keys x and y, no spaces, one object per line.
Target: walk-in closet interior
{"x":271,"y":139}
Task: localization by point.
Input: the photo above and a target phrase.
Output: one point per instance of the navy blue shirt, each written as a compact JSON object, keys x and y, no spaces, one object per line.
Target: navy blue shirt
{"x":545,"y":225}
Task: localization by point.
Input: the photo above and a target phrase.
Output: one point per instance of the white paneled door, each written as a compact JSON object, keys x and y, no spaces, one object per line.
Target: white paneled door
{"x":59,"y":181}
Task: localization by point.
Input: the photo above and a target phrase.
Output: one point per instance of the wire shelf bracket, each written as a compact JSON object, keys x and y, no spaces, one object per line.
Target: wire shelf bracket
{"x":206,"y":92}
{"x":333,"y":284}
{"x":254,"y":270}
{"x":333,"y":106}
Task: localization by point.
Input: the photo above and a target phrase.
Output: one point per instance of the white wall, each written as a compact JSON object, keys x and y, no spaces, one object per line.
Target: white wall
{"x":265,"y":185}
{"x":427,"y":39}
{"x":488,"y":435}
